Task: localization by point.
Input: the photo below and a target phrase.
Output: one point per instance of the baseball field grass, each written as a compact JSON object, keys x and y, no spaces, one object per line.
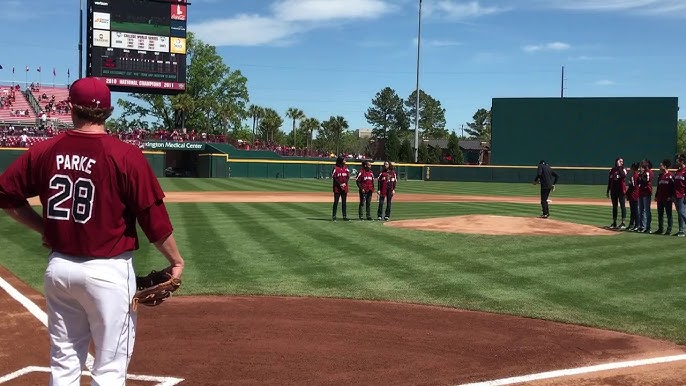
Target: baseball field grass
{"x":629,"y":282}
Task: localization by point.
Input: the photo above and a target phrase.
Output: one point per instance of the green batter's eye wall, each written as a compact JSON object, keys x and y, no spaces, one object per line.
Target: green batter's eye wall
{"x":583,"y":131}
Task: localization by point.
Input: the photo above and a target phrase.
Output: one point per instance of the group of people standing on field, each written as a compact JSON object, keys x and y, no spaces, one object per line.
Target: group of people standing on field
{"x":637,"y":188}
{"x":387,"y":181}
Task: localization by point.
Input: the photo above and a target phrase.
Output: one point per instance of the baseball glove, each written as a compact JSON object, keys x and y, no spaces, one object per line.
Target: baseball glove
{"x":154,"y":288}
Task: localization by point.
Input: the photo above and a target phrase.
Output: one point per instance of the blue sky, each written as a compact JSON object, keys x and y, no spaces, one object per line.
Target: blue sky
{"x":330,"y":57}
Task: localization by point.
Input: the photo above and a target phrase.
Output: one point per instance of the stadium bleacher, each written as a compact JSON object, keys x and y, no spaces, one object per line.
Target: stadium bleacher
{"x":19,"y":110}
{"x":53,"y":101}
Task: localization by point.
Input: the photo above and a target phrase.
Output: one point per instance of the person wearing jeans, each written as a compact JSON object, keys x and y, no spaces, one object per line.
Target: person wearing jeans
{"x":387,"y":182}
{"x":645,"y":194}
{"x":680,"y":193}
{"x":365,"y":184}
{"x":664,"y":196}
{"x":632,"y":197}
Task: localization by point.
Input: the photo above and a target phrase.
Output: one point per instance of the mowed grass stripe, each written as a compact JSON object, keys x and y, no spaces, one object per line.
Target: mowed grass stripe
{"x":313,"y":271}
{"x":264,"y":271}
{"x":209,"y":246}
{"x":421,"y":187}
{"x":387,"y":274}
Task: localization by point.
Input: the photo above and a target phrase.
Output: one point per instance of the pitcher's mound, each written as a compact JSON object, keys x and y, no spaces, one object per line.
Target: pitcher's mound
{"x":501,"y":225}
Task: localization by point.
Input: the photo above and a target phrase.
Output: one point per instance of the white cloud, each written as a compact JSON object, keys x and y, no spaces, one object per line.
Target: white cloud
{"x":587,"y":58}
{"x":288,"y":18}
{"x":643,"y":7}
{"x":324,"y":10}
{"x":554,"y":46}
{"x":605,"y":82}
{"x":461,"y":10}
{"x":244,"y":30}
{"x":436,"y":42}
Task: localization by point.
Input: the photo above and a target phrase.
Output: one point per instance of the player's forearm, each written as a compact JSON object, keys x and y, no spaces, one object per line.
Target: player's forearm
{"x":168,"y":248}
{"x":26,"y":216}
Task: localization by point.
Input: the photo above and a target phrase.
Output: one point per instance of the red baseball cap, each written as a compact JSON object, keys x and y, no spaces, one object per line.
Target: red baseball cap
{"x":90,"y":92}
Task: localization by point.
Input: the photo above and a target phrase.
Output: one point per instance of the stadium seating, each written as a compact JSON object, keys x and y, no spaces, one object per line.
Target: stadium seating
{"x":45,"y":94}
{"x":7,"y":113}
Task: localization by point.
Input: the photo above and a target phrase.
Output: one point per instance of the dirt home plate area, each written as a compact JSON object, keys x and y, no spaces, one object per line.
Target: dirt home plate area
{"x":312,"y":341}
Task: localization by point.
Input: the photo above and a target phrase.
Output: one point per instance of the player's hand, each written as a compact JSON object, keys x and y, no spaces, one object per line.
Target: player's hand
{"x":393,"y":192}
{"x":553,"y":188}
{"x":607,"y":194}
{"x":176,"y":271}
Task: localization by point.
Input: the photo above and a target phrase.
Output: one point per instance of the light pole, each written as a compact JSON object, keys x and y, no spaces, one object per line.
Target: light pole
{"x":416,"y":115}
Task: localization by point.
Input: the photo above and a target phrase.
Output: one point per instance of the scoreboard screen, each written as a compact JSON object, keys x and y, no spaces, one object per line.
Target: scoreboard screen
{"x":138,"y":46}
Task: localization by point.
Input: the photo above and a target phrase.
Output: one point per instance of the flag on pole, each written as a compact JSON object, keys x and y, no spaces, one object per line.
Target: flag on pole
{"x":0,"y":66}
{"x":38,"y":69}
{"x":27,"y":68}
{"x":67,"y":72}
{"x":54,"y":73}
{"x":13,"y":69}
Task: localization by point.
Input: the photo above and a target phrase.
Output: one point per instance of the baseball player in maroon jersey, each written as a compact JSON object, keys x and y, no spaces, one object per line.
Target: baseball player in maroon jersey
{"x":680,"y":193}
{"x":616,"y":190}
{"x":93,"y":188}
{"x":365,"y":184}
{"x":645,"y":194}
{"x":664,"y":196}
{"x":340,"y":177}
{"x":387,"y":183}
{"x":632,"y":196}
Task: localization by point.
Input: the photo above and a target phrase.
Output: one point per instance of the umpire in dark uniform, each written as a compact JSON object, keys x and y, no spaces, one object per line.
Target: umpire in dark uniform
{"x":548,"y":179}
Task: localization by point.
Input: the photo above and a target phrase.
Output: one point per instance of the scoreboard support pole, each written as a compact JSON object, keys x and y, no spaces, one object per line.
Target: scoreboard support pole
{"x":80,"y":39}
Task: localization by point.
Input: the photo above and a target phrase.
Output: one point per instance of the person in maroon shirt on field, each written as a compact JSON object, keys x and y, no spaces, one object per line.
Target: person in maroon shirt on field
{"x":93,"y":189}
{"x":365,"y":184}
{"x":645,"y":194}
{"x":387,"y":183}
{"x":632,"y":197}
{"x":340,"y":177}
{"x":616,"y":190}
{"x":664,"y":196}
{"x":680,"y":192}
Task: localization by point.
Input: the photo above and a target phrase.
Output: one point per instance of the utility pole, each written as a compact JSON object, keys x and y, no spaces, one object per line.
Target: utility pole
{"x":562,"y":84}
{"x":416,"y":115}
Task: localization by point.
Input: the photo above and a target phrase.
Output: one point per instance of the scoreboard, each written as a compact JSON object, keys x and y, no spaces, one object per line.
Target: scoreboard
{"x":138,"y":46}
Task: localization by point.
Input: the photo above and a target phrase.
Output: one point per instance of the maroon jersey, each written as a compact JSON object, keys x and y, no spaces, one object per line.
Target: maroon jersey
{"x":340,"y":177}
{"x":365,"y":180}
{"x":680,"y":183}
{"x":91,"y":186}
{"x":387,"y":181}
{"x":617,"y":180}
{"x":645,"y":183}
{"x":665,"y":187}
{"x":632,"y":191}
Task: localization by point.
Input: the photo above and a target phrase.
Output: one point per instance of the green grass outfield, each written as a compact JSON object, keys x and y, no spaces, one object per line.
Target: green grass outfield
{"x":629,"y":282}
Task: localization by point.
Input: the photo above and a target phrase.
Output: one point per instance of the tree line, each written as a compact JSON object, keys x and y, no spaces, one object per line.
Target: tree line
{"x":216,"y":101}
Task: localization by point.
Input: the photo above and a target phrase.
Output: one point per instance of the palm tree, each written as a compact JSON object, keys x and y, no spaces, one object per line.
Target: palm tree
{"x":308,"y":126}
{"x":295,"y":114}
{"x":256,"y":112}
{"x":270,"y":123}
{"x":339,"y":124}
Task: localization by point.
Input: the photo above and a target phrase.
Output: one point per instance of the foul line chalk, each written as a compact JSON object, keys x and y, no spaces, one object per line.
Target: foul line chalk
{"x":579,"y":371}
{"x":43,"y":318}
{"x":161,"y":381}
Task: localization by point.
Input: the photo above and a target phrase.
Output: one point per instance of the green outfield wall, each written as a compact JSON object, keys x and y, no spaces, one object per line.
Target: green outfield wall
{"x":583,"y":132}
{"x":219,"y":165}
